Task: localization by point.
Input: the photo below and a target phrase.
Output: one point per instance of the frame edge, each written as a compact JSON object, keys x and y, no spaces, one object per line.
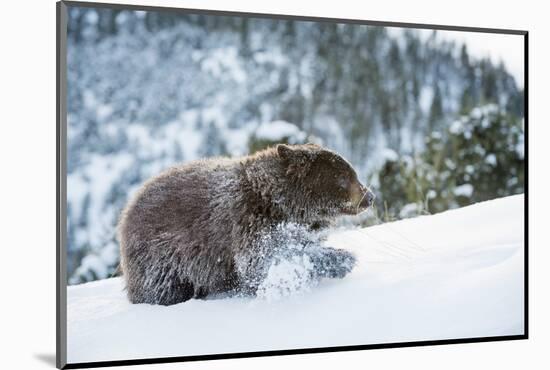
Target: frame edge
{"x":61,"y":184}
{"x":61,"y":157}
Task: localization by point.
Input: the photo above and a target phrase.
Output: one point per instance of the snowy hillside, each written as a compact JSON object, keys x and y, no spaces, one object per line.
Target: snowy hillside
{"x":457,"y":274}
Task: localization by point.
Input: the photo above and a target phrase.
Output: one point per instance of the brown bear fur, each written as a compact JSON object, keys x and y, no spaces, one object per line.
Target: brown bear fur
{"x":195,"y":230}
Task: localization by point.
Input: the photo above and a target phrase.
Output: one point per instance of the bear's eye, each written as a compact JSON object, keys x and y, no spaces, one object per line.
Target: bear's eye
{"x":342,"y":182}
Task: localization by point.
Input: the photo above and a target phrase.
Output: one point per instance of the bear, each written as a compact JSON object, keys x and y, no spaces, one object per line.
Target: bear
{"x":198,"y":229}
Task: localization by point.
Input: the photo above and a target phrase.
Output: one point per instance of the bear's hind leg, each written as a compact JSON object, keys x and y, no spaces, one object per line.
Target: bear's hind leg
{"x":178,"y":291}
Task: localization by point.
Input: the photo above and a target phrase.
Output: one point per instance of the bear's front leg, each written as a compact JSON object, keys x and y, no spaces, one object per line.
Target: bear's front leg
{"x":332,"y":263}
{"x":320,"y":225}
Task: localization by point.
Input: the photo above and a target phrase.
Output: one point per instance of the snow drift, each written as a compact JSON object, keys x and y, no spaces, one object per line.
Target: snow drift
{"x":458,"y":274}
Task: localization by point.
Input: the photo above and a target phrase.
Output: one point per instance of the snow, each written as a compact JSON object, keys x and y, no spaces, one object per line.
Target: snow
{"x":491,"y":159}
{"x":497,"y":47}
{"x":279,"y":130}
{"x":465,"y":190}
{"x":285,"y":278}
{"x":389,"y":155}
{"x":456,"y":127}
{"x":479,"y":112}
{"x":457,"y":274}
{"x":520,"y":148}
{"x":79,"y":186}
{"x":409,"y":210}
{"x":225,"y":61}
{"x":425,"y":99}
{"x":450,"y":164}
{"x":275,"y":56}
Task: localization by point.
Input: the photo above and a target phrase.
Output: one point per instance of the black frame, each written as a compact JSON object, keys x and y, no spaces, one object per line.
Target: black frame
{"x":61,"y":194}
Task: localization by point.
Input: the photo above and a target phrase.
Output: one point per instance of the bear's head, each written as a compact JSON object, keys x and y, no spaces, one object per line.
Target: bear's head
{"x":327,"y":181}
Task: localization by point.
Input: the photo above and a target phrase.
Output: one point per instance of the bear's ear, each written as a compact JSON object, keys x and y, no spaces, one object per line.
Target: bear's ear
{"x":296,"y":154}
{"x":285,"y":152}
{"x":297,"y":159}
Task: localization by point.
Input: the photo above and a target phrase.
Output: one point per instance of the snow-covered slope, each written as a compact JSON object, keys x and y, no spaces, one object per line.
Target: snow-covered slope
{"x":457,"y":274}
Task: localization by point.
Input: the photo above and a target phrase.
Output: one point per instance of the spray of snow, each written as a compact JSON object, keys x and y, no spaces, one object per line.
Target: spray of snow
{"x":286,"y":277}
{"x":289,"y":268}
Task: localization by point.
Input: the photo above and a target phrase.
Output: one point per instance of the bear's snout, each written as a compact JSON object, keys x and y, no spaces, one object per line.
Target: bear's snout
{"x":367,"y":199}
{"x":361,"y":197}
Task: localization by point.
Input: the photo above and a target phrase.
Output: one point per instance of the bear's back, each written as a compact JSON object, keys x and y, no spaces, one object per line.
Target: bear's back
{"x":177,"y":200}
